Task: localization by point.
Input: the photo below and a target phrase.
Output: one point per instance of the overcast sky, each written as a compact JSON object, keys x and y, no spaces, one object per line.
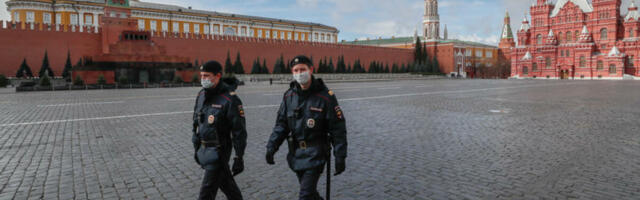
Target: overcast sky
{"x":474,"y":20}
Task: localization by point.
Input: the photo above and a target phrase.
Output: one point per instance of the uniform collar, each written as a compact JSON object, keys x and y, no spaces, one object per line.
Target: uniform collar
{"x":316,"y":86}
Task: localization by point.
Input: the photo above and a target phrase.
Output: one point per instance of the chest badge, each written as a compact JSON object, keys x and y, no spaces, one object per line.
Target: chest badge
{"x":211,"y":119}
{"x":311,"y":123}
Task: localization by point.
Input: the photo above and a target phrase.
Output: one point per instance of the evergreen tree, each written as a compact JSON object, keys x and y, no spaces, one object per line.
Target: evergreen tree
{"x":80,"y":63}
{"x":256,"y":69}
{"x":228,"y":67}
{"x":44,"y":80}
{"x":417,"y":54}
{"x":348,"y":69}
{"x":330,"y":68}
{"x":394,"y":68}
{"x":45,"y":69}
{"x":357,"y":67}
{"x":101,"y":80}
{"x":66,"y":73}
{"x":287,"y":69}
{"x":265,"y":69}
{"x":282,"y":65}
{"x":197,"y":64}
{"x":239,"y":69}
{"x":386,"y":69}
{"x":436,"y":66}
{"x":403,"y":69}
{"x":24,"y":70}
{"x":340,"y":66}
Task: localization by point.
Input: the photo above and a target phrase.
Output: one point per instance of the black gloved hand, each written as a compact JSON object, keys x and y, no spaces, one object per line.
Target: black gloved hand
{"x":270,"y":158}
{"x":340,"y":166}
{"x":238,"y":166}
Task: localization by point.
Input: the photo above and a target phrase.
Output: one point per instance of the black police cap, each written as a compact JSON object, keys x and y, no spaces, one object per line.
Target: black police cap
{"x":301,"y":60}
{"x":211,"y":66}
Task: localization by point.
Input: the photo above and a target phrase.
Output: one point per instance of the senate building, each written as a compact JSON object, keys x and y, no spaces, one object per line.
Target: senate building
{"x":159,"y":18}
{"x":577,"y":39}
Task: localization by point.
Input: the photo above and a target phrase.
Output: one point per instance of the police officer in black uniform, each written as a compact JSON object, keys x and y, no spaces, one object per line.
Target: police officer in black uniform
{"x":218,"y":126}
{"x":311,"y":120}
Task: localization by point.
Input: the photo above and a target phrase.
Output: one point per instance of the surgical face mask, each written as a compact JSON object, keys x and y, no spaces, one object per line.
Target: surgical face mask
{"x":302,"y":78}
{"x":206,"y":83}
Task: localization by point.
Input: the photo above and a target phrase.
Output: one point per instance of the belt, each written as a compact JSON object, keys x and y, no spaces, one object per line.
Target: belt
{"x":305,"y":144}
{"x":212,"y":143}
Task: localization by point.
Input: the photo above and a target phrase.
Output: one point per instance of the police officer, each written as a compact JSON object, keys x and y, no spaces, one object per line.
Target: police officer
{"x":310,"y":119}
{"x":218,"y":126}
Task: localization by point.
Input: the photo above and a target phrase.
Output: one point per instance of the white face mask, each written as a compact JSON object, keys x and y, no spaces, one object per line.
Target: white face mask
{"x":206,"y":83}
{"x":302,"y":78}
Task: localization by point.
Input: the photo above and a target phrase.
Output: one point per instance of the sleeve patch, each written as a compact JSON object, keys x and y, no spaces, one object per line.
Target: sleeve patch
{"x":330,"y":93}
{"x":241,"y":110}
{"x":233,"y":93}
{"x":338,"y":112}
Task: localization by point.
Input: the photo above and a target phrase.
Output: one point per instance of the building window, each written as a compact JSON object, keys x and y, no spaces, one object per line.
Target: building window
{"x":467,"y":53}
{"x":141,"y":24}
{"x":16,"y":16}
{"x":577,"y":35}
{"x":251,"y":32}
{"x":599,"y":65}
{"x":547,"y":62}
{"x":123,"y":15}
{"x":58,"y":18}
{"x":603,"y":34}
{"x":612,"y":69}
{"x":561,"y":53}
{"x":267,"y":34}
{"x":534,"y":67}
{"x":567,"y":53}
{"x":583,"y":61}
{"x":31,"y":17}
{"x":176,"y":27}
{"x":165,"y":26}
{"x":569,"y":36}
{"x":630,"y":62}
{"x":289,"y":36}
{"x":243,"y":31}
{"x":281,"y":35}
{"x":560,"y":35}
{"x":196,"y":28}
{"x":315,"y":37}
{"x":478,"y":53}
{"x":631,"y":32}
{"x":88,"y":20}
{"x":525,"y":70}
{"x":296,"y":36}
{"x":153,"y":25}
{"x":259,"y":33}
{"x":186,"y":27}
{"x":539,"y":39}
{"x":46,"y":18}
{"x":488,"y":54}
{"x":73,"y":18}
{"x":216,"y":29}
{"x":206,"y":29}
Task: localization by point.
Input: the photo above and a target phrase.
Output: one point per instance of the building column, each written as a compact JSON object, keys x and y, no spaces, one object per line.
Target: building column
{"x":81,"y":20}
{"x":210,"y":28}
{"x":95,"y":21}
{"x":221,"y":31}
{"x":238,"y":31}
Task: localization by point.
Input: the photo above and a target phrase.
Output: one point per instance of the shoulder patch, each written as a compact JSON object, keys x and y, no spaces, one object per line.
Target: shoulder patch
{"x":338,"y":112}
{"x":240,"y":110}
{"x":330,"y":92}
{"x":233,"y":93}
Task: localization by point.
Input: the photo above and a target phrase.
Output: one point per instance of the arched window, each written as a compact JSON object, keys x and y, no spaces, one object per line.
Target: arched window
{"x":534,"y":67}
{"x":631,"y":32}
{"x":567,"y":53}
{"x":569,"y":36}
{"x":630,"y":61}
{"x":603,"y":34}
{"x":600,"y":65}
{"x":612,"y":69}
{"x":561,"y":53}
{"x":525,"y":70}
{"x":560,"y":37}
{"x":547,"y":62}
{"x":583,"y":61}
{"x":577,"y":35}
{"x":539,"y":39}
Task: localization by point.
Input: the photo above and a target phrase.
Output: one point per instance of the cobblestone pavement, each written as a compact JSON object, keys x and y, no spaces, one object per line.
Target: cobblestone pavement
{"x":433,"y":139}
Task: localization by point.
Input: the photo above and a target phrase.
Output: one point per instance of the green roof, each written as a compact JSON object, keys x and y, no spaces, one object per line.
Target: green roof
{"x":398,"y":40}
{"x":405,"y":40}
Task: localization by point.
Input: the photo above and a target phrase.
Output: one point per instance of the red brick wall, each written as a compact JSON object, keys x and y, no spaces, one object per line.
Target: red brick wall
{"x":31,"y":44}
{"x":17,"y":44}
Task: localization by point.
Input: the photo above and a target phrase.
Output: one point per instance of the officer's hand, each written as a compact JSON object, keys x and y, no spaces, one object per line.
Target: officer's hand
{"x":340,"y":166}
{"x":270,"y":158}
{"x":238,"y":166}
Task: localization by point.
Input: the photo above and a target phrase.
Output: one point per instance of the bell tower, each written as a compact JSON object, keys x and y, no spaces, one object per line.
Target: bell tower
{"x":431,"y":22}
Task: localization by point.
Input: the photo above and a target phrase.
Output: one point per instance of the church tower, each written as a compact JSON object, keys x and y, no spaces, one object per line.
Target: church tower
{"x":431,"y":22}
{"x":506,"y":39}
